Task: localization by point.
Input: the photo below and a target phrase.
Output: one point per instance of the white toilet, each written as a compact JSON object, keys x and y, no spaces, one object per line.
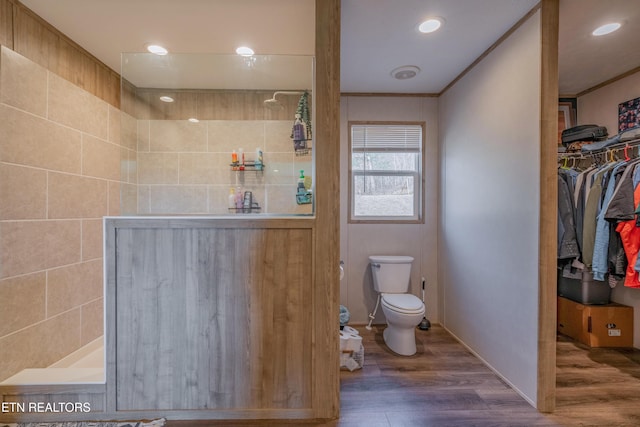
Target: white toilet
{"x":403,"y":310}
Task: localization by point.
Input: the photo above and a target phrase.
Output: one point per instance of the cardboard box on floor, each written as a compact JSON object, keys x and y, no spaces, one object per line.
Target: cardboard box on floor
{"x":609,"y":325}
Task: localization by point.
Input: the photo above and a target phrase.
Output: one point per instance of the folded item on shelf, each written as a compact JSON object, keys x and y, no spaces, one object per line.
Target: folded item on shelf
{"x":601,"y":144}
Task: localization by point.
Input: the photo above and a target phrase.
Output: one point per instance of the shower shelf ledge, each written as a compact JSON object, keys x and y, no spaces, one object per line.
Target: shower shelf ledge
{"x":248,"y":166}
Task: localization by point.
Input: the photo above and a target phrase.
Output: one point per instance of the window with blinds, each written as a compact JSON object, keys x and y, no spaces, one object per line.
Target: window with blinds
{"x":385,"y":172}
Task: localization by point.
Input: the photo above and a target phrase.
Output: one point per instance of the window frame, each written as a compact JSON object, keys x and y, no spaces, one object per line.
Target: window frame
{"x":419,"y":180}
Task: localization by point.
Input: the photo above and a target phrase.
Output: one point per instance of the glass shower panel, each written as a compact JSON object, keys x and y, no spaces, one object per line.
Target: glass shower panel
{"x":213,"y":134}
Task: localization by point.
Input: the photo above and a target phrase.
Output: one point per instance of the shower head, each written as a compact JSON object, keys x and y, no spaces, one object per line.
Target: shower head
{"x":274,"y":104}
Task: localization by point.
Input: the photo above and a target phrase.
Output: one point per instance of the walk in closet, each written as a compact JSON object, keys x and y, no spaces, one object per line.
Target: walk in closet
{"x":598,"y":233}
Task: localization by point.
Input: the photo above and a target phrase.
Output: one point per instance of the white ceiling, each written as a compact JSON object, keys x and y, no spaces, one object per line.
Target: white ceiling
{"x":376,"y":36}
{"x":586,"y":60}
{"x":380,"y":35}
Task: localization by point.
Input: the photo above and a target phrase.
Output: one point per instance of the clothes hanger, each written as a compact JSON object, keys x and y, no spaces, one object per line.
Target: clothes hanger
{"x":626,"y":154}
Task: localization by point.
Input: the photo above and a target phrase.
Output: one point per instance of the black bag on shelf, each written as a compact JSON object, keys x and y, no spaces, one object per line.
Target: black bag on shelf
{"x":584,"y":133}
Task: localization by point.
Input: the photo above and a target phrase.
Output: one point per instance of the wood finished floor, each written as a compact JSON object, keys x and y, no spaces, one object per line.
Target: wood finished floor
{"x":445,"y":385}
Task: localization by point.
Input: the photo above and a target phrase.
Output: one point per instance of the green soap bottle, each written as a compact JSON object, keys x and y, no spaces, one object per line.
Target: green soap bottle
{"x":301,"y":189}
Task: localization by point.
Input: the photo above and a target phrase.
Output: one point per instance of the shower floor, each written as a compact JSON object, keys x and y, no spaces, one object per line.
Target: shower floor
{"x":83,"y":366}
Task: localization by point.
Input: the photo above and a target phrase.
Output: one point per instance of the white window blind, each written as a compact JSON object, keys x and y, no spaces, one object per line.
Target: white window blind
{"x":376,"y":138}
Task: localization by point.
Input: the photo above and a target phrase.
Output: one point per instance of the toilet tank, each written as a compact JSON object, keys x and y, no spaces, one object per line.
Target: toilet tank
{"x":391,"y":274}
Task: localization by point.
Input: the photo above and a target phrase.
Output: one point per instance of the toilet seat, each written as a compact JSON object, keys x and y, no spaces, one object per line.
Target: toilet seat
{"x":403,"y":303}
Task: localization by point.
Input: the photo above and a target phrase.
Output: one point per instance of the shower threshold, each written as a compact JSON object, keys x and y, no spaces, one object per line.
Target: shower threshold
{"x":83,"y":366}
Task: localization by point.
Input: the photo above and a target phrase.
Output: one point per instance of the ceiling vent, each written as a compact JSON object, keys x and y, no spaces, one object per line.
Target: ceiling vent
{"x":405,"y":72}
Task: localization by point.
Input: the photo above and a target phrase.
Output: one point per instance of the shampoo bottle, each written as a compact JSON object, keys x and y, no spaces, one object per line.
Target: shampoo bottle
{"x":241,"y":159}
{"x":301,"y":189}
{"x":258,"y":162}
{"x":232,"y":198}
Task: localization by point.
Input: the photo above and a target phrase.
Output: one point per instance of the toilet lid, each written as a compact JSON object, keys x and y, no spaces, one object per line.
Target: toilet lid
{"x":403,"y":302}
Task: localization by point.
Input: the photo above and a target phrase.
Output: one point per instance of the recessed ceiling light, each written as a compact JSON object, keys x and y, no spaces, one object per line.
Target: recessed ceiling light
{"x":194,"y":120}
{"x":606,"y":29}
{"x":166,"y":98}
{"x":430,"y":25}
{"x":405,"y":72}
{"x":244,"y":51}
{"x":157,"y":49}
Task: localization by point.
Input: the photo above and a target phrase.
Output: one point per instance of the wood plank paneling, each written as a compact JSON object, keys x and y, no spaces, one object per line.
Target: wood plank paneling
{"x":39,"y":41}
{"x":145,"y":104}
{"x":32,"y":39}
{"x":213,"y":319}
{"x":6,"y":23}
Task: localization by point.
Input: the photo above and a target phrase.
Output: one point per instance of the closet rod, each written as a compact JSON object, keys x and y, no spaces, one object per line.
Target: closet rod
{"x":613,"y":147}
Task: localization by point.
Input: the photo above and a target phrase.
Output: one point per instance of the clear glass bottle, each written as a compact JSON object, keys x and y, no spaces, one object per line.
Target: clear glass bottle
{"x":232,"y":198}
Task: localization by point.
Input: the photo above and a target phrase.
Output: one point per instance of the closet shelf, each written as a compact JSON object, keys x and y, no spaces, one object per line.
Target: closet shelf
{"x":613,"y":147}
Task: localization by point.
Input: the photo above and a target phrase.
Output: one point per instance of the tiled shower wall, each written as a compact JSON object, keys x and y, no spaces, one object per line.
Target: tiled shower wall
{"x":184,"y":167}
{"x":65,"y":156}
{"x":59,"y":175}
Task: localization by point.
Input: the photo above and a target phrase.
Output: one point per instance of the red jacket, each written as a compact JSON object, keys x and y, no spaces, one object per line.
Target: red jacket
{"x":630,"y":236}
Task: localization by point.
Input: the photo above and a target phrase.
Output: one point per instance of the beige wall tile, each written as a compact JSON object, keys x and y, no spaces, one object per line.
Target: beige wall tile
{"x":228,"y":135}
{"x":22,"y":303}
{"x":128,"y":131}
{"x":100,"y":159}
{"x":279,"y":169}
{"x":144,"y":199}
{"x":142,"y":107}
{"x":143,"y":135}
{"x":92,"y":321}
{"x":40,"y":345}
{"x":128,"y":199}
{"x":72,"y":196}
{"x":128,"y":165}
{"x":206,"y":168}
{"x":158,"y":168}
{"x":218,"y":200}
{"x":277,"y":136}
{"x":115,"y":125}
{"x":29,"y":140}
{"x":76,"y":108}
{"x":30,"y":246}
{"x":23,"y":83}
{"x":178,"y":136}
{"x":282,"y":199}
{"x":115,"y":193}
{"x":23,"y":192}
{"x":304,"y":163}
{"x":173,"y":199}
{"x":92,"y":239}
{"x":73,"y":285}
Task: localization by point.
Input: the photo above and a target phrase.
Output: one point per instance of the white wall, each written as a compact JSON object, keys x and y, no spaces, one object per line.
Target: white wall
{"x":601,"y":107}
{"x":358,"y":241}
{"x":488,"y":248}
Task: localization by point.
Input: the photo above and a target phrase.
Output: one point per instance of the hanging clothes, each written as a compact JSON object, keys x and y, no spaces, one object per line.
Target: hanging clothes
{"x":600,"y":265}
{"x":568,"y":245}
{"x":598,"y":221}
{"x":592,"y":208}
{"x":630,"y":235}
